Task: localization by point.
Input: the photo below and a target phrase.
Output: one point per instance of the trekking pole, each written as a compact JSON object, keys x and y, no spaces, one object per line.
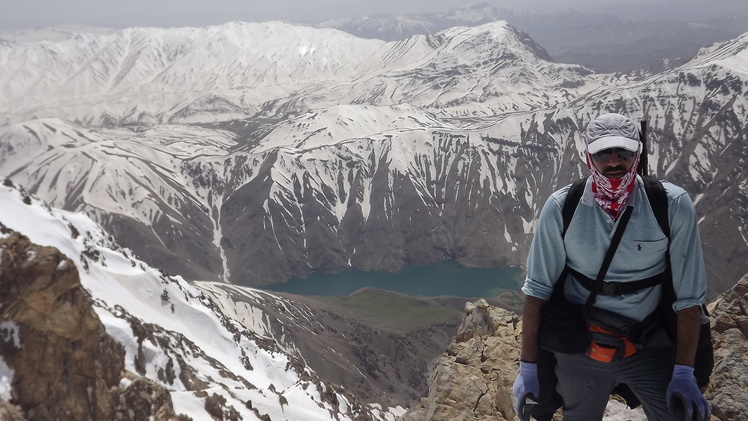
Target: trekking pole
{"x":528,"y":402}
{"x":643,"y":161}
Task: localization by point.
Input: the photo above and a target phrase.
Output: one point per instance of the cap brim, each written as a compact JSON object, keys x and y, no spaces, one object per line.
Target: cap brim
{"x":613,"y":142}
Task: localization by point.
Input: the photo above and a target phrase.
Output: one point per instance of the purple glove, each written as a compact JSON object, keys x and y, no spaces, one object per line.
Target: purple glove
{"x":683,"y":389}
{"x":526,"y":388}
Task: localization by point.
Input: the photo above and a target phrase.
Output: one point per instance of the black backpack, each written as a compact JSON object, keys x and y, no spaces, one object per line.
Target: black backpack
{"x":704,"y":362}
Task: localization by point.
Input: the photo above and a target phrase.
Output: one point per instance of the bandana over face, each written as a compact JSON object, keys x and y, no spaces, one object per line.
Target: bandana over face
{"x":612,"y":194}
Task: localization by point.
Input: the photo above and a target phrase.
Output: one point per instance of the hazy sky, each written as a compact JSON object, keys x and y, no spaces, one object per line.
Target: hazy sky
{"x":169,"y":13}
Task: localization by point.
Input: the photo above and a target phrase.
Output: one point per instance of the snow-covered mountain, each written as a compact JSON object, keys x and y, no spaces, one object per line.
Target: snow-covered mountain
{"x":436,"y":147}
{"x":394,"y":28}
{"x":172,"y":181}
{"x":608,"y":38}
{"x":174,"y":334}
{"x":252,"y":153}
{"x":146,"y":76}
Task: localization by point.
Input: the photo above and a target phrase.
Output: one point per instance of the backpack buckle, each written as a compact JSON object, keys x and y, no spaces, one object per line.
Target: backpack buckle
{"x":612,"y":288}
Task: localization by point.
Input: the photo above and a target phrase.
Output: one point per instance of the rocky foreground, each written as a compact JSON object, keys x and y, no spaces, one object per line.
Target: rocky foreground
{"x":473,"y":378}
{"x":70,"y":368}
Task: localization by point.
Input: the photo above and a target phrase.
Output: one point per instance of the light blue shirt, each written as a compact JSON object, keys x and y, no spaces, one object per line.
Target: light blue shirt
{"x":640,"y":255}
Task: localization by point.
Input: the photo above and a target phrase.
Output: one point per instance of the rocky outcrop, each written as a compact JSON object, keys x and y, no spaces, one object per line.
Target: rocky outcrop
{"x":729,"y":382}
{"x":62,"y":362}
{"x":473,"y":378}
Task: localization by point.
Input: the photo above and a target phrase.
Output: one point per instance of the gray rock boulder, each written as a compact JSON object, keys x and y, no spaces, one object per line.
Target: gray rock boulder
{"x":728,"y":389}
{"x":473,"y":379}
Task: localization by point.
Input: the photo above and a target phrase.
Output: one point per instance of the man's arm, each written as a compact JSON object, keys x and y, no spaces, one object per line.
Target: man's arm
{"x":689,"y":324}
{"x":527,"y":383}
{"x":683,"y":388}
{"x":531,"y":319}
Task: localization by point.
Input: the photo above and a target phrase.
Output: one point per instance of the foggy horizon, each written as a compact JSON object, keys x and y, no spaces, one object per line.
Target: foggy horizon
{"x":174,"y":13}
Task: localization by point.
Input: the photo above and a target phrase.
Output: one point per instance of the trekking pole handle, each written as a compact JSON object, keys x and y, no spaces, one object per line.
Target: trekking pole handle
{"x":643,"y":160}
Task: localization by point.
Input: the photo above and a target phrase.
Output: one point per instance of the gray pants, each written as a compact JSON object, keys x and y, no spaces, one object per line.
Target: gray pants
{"x":585,"y":384}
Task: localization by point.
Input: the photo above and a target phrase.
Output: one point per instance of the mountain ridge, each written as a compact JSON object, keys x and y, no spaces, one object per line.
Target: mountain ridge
{"x":327,"y":178}
{"x":245,"y":77}
{"x":605,"y":39}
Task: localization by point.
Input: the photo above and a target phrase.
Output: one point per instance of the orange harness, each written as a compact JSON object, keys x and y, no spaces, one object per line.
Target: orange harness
{"x":606,"y":353}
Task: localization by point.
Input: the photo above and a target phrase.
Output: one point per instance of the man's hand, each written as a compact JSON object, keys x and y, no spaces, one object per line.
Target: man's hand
{"x":526,"y":388}
{"x":683,"y":389}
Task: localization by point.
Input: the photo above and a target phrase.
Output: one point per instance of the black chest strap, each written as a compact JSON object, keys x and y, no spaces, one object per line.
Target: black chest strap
{"x":620,"y":288}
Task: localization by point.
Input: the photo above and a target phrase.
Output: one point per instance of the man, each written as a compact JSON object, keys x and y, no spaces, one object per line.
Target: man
{"x":659,"y":378}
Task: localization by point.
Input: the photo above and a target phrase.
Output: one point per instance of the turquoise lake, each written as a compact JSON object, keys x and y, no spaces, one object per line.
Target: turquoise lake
{"x":446,"y":279}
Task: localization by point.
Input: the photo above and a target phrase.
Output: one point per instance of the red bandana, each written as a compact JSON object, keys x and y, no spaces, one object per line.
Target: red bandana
{"x":612,"y":194}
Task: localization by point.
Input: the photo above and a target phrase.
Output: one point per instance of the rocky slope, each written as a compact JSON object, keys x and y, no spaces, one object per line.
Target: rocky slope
{"x":64,"y":364}
{"x":376,"y":361}
{"x":96,"y":334}
{"x":473,"y":378}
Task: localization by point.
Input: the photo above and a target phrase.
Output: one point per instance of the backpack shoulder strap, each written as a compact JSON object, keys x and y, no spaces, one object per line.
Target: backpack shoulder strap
{"x":572,"y":200}
{"x":567,"y":212}
{"x":658,"y":201}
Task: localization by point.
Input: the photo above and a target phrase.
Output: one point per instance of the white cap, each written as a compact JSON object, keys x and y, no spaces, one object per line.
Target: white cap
{"x":612,"y":131}
{"x":613,"y":142}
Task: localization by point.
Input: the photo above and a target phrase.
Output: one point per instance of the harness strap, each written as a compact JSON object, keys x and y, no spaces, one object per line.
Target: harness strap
{"x":598,"y":282}
{"x":620,"y":288}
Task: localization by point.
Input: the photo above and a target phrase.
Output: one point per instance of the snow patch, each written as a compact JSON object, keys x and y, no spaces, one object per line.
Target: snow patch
{"x":10,"y":333}
{"x":6,"y":380}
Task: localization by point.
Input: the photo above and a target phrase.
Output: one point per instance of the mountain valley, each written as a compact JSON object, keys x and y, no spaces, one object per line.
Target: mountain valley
{"x":180,"y":169}
{"x":326,"y":174}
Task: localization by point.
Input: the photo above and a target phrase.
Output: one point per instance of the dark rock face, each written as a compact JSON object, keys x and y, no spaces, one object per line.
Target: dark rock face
{"x":52,"y":337}
{"x":472,"y":197}
{"x":65,"y":365}
{"x":191,"y":237}
{"x":444,"y":206}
